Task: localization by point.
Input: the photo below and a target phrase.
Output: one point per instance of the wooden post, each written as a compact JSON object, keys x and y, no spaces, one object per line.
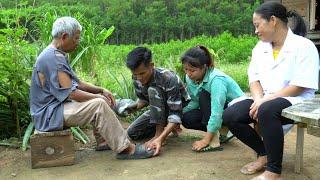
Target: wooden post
{"x":299,"y":148}
{"x":312,"y":15}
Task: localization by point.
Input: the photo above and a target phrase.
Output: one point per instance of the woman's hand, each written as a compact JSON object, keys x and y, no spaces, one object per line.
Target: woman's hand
{"x":253,"y":113}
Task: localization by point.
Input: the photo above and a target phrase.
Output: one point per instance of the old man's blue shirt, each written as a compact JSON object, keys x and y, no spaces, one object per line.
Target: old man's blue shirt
{"x":46,"y":100}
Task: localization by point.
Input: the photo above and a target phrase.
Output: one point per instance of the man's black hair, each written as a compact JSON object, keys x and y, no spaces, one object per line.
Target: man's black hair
{"x":137,"y":56}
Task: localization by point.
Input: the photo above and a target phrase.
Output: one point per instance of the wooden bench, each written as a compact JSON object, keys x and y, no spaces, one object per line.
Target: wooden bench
{"x":52,"y":149}
{"x":306,"y":115}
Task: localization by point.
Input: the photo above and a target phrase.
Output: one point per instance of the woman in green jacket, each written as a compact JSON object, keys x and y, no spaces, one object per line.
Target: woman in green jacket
{"x":211,"y":92}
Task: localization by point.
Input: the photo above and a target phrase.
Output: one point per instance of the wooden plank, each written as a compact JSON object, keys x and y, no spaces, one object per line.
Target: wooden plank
{"x":301,"y":6}
{"x":313,"y":130}
{"x":52,"y":149}
{"x":313,"y":35}
{"x":312,"y":15}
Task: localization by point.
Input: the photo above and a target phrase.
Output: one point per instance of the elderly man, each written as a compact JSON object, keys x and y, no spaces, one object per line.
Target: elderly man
{"x":58,"y":98}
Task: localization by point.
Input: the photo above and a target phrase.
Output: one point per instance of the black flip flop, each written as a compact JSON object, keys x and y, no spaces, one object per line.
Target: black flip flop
{"x":209,"y":149}
{"x":140,"y":153}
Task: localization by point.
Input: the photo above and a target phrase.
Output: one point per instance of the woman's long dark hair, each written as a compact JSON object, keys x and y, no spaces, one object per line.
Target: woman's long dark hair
{"x":271,"y":8}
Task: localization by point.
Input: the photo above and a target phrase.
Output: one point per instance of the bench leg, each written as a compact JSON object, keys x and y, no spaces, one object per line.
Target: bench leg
{"x":299,"y":149}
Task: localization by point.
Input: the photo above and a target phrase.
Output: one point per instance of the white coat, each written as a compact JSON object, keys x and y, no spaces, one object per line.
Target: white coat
{"x":297,"y":64}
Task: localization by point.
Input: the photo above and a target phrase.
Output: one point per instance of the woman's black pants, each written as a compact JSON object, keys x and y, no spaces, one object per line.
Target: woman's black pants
{"x":270,"y":121}
{"x":198,"y":118}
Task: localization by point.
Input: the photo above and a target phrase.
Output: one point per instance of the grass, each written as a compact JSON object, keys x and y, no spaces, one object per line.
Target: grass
{"x":238,"y":72}
{"x":118,"y":78}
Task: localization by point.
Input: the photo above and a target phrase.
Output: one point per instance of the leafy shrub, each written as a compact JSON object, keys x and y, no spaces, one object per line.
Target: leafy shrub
{"x":15,"y":71}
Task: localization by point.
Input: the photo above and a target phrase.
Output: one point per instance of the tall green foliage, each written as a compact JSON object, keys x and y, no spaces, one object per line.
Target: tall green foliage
{"x":15,"y":70}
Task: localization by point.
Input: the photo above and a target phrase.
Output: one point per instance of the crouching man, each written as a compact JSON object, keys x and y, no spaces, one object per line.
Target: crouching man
{"x":161,"y":90}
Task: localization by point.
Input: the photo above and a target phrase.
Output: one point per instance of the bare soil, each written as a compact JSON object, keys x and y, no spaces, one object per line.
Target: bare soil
{"x":176,"y":161}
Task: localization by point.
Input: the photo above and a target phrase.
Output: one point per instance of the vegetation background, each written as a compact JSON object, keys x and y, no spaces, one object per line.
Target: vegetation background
{"x":111,"y":29}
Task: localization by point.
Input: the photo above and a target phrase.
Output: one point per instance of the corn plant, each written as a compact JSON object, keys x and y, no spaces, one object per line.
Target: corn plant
{"x":92,"y":39}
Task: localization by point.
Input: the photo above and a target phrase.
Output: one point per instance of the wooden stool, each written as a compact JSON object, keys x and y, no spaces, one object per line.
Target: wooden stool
{"x":50,"y":149}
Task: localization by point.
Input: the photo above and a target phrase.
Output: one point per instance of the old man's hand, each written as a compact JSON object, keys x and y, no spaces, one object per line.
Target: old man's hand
{"x":111,"y":101}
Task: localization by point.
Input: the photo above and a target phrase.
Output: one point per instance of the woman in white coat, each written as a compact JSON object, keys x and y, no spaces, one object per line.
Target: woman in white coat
{"x":283,"y":71}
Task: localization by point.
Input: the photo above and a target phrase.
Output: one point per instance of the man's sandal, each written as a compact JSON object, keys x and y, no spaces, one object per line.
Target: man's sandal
{"x":250,"y":168}
{"x":209,"y":148}
{"x":140,"y":152}
{"x":103,"y":148}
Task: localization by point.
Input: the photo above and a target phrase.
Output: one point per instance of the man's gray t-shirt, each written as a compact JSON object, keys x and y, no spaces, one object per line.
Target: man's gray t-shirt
{"x":46,"y":101}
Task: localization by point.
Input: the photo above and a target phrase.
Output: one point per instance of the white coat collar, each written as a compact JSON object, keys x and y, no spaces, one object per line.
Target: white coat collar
{"x":287,"y":48}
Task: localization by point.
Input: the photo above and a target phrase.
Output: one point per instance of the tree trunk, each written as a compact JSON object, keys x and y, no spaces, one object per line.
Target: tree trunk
{"x":166,"y":36}
{"x":182,"y":34}
{"x":14,"y":114}
{"x":117,"y":40}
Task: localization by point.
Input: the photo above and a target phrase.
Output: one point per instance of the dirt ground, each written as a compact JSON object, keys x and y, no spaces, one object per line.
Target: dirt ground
{"x":176,"y":162}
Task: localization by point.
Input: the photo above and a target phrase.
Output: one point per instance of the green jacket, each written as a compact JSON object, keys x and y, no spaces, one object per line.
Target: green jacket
{"x":222,"y":88}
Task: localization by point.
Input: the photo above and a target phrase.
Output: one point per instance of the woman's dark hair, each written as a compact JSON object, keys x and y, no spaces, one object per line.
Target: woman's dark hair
{"x":271,"y":8}
{"x":137,"y":56}
{"x":198,"y":57}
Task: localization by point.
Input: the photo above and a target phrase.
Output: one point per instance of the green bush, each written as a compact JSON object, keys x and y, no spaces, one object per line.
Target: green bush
{"x":15,"y":71}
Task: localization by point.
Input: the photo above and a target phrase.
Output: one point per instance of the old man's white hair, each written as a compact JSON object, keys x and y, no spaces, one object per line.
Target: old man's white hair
{"x":65,"y":24}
